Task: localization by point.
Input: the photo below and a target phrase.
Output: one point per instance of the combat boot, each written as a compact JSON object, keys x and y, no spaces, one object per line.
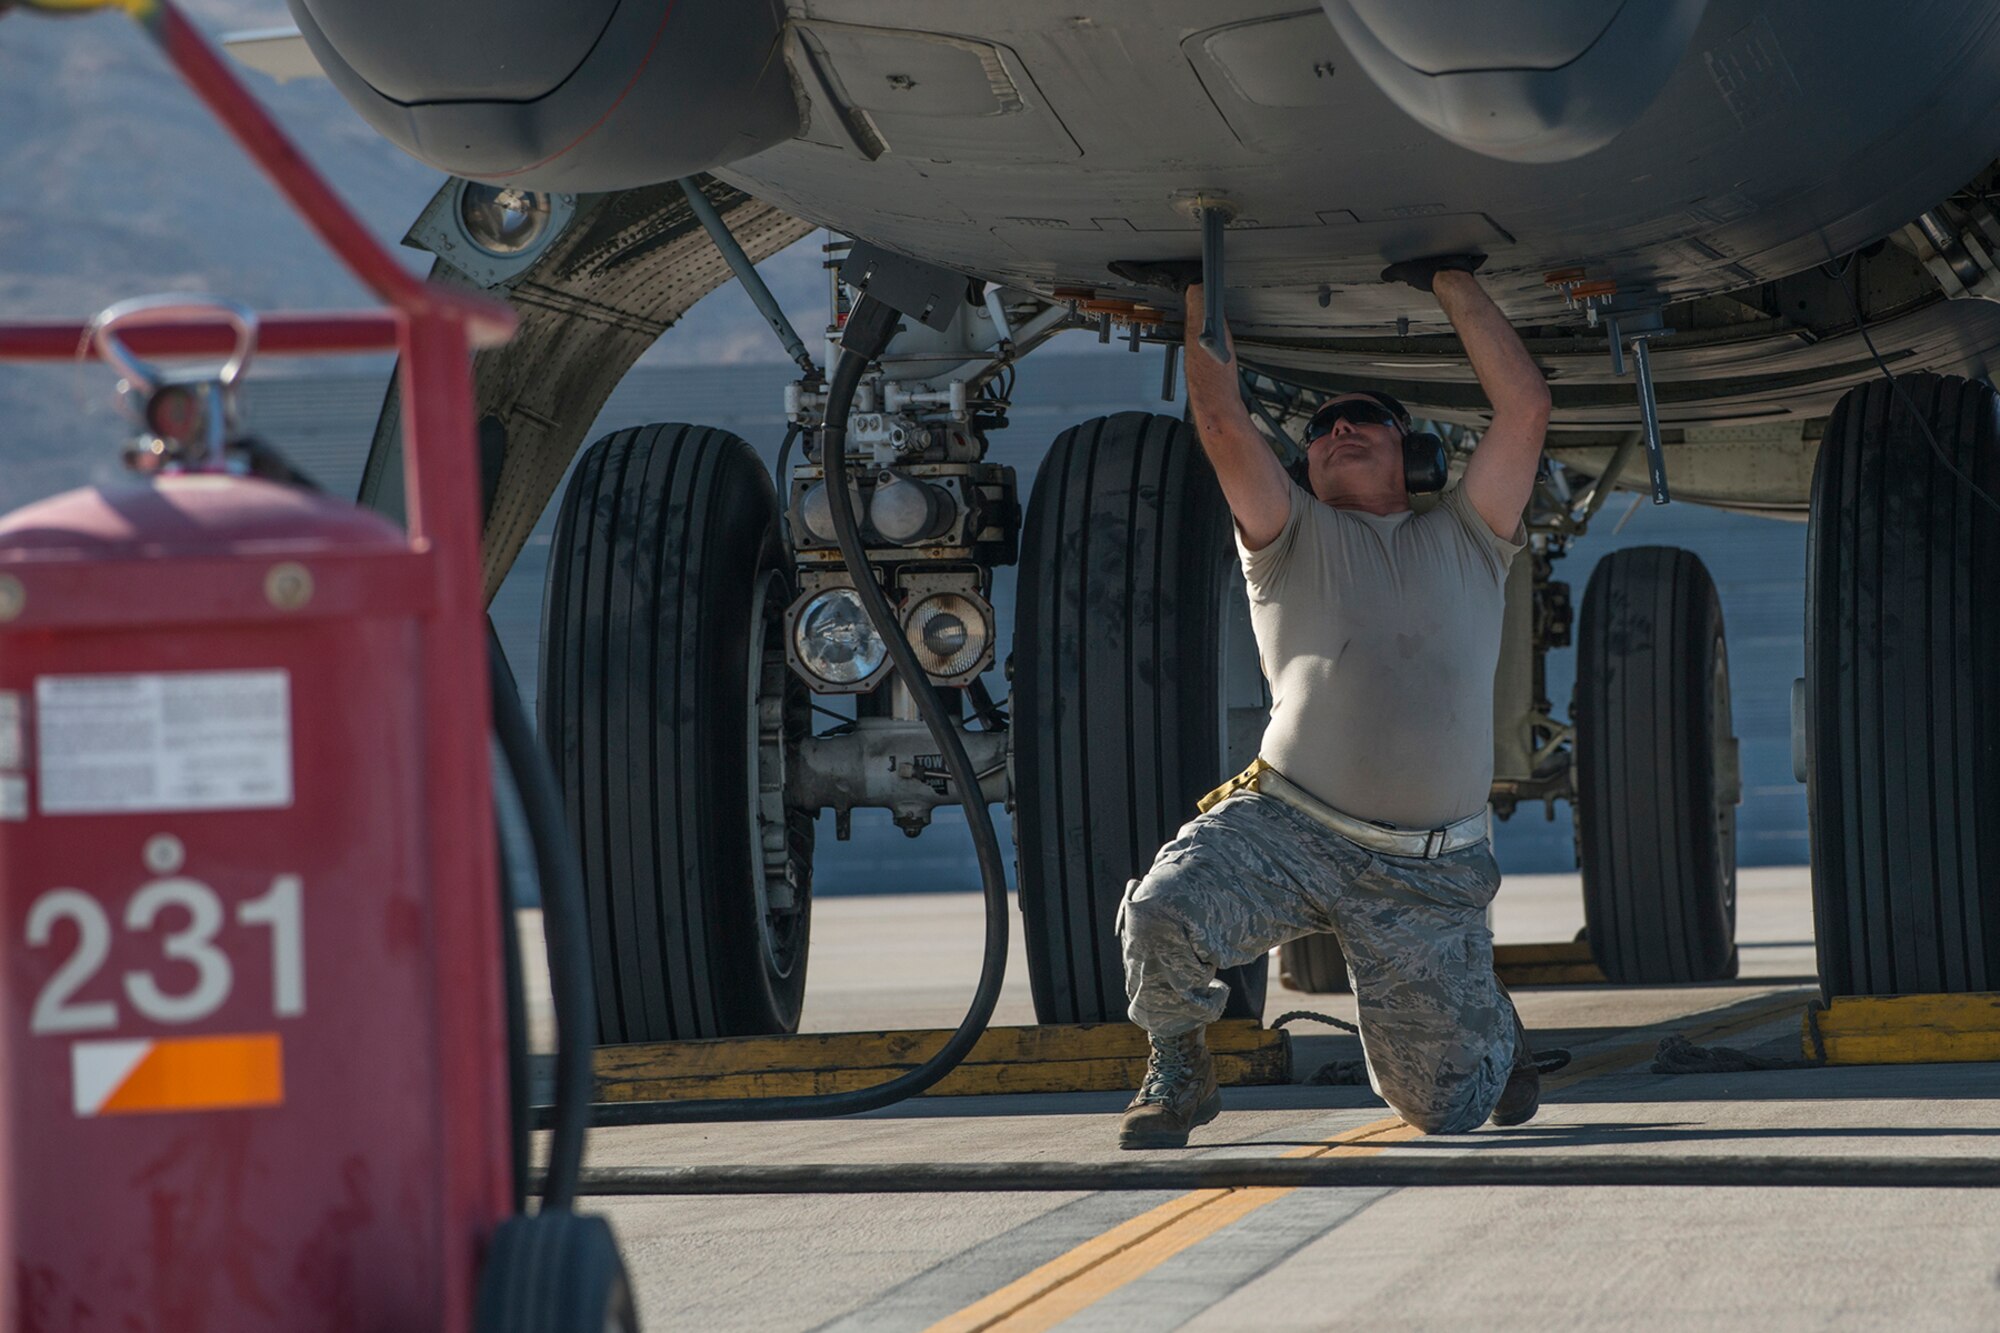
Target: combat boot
{"x":1522,"y":1096}
{"x":1179,"y":1092}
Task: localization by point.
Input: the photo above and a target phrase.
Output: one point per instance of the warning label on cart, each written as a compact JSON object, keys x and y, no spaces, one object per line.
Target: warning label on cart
{"x":181,"y":740}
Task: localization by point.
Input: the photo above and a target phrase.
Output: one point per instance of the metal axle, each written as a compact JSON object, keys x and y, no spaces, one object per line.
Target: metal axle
{"x":892,"y":763}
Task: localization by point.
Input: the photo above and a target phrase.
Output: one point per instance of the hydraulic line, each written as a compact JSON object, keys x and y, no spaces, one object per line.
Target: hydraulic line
{"x":746,"y":273}
{"x":1456,"y":1167}
{"x":864,"y":337}
{"x":778,"y":477}
{"x":564,"y":924}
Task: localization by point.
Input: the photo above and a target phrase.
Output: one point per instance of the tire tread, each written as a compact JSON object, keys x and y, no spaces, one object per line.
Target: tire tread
{"x":658,"y":528}
{"x":1124,"y":523}
{"x":1658,"y":871}
{"x":1904,"y":745}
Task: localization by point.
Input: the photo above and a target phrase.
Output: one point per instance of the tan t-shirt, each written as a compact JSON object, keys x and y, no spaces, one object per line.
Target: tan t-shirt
{"x":1379,"y":635}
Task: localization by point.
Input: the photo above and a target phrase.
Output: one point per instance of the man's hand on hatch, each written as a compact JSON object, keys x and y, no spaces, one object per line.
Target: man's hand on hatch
{"x":1501,"y":474}
{"x":1422,"y":273}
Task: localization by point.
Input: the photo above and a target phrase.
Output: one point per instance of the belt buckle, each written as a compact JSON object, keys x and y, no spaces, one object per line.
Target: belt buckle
{"x":1434,"y":844}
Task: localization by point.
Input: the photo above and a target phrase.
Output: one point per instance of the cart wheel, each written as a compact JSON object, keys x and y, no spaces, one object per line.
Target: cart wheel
{"x":554,"y":1273}
{"x":1136,"y":691}
{"x":1902,"y":656}
{"x":668,"y":710}
{"x":1313,"y":964}
{"x":1657,"y":783}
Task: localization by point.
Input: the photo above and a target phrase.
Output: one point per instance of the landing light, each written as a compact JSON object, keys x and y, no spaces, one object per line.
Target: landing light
{"x":834,"y":640}
{"x":503,"y":220}
{"x":950,"y":632}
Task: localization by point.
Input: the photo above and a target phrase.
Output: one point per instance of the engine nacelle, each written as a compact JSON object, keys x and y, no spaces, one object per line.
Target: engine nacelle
{"x":567,"y":95}
{"x":1520,"y":80}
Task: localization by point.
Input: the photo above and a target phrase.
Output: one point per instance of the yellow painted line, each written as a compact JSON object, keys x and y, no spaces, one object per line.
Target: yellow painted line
{"x":1135,"y":1261}
{"x":1024,"y":1291}
{"x":1074,"y":1281}
{"x":1904,"y":1029}
{"x":1135,"y":1247}
{"x":1366,"y":1141}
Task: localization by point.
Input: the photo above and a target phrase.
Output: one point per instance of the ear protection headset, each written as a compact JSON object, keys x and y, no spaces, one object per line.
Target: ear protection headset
{"x":1425,"y":467}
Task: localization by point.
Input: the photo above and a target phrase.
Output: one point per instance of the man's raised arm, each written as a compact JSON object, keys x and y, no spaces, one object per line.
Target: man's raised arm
{"x":1253,"y":481}
{"x":1501,"y":475}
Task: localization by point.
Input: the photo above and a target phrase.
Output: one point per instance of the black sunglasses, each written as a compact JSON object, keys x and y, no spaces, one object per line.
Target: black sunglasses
{"x":1360,"y":411}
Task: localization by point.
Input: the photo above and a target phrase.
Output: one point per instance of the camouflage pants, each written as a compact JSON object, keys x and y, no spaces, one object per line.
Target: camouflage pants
{"x":1437,"y":1030}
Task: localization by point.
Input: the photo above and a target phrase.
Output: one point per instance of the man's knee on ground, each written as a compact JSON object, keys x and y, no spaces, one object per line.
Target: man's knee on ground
{"x":1456,"y":1109}
{"x":1454,"y":1120}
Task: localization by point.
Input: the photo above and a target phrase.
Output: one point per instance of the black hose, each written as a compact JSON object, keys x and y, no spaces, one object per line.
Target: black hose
{"x":1412,"y":1165}
{"x":990,"y":715}
{"x":564,"y":924}
{"x":864,"y":337}
{"x":1902,"y":395}
{"x":778,"y":469}
{"x":519,"y":1098}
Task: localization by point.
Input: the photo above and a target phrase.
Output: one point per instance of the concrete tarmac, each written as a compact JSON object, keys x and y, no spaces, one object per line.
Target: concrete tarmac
{"x":1734,"y":1256}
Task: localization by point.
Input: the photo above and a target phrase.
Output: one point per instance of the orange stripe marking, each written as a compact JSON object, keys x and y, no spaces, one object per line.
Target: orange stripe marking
{"x":204,"y":1074}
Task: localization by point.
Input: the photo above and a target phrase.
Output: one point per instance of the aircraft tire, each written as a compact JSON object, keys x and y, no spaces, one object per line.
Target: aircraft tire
{"x":1119,"y":728}
{"x":667,"y":572}
{"x":1656,"y":767}
{"x":1313,"y":964}
{"x":554,"y":1272}
{"x":1902,"y":659}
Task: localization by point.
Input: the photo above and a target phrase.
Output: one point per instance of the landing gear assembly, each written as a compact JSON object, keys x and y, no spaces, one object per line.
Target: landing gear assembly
{"x":693,"y":617}
{"x":1134,"y":683}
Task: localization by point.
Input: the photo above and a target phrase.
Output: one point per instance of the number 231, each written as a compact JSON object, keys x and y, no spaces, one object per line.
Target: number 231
{"x":56,"y":1010}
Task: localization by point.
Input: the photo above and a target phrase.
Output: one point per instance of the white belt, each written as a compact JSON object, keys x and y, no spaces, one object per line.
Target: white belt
{"x":1260,"y":777}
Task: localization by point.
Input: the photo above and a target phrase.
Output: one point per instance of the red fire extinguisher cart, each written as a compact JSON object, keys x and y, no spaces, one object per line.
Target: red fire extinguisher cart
{"x":252,"y":1029}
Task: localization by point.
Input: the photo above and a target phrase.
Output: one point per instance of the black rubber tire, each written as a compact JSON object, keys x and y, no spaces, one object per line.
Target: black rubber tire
{"x":1902,"y":661}
{"x":665,"y":535}
{"x":554,"y":1273}
{"x":1313,"y":964}
{"x":1655,"y":809}
{"x":1117,"y":723}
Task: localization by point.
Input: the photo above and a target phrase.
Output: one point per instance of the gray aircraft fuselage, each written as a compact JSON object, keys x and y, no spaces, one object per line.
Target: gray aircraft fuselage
{"x":1034,"y":144}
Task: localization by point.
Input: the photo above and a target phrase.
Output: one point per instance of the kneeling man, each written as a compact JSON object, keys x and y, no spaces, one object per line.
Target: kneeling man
{"x":1379,"y":629}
